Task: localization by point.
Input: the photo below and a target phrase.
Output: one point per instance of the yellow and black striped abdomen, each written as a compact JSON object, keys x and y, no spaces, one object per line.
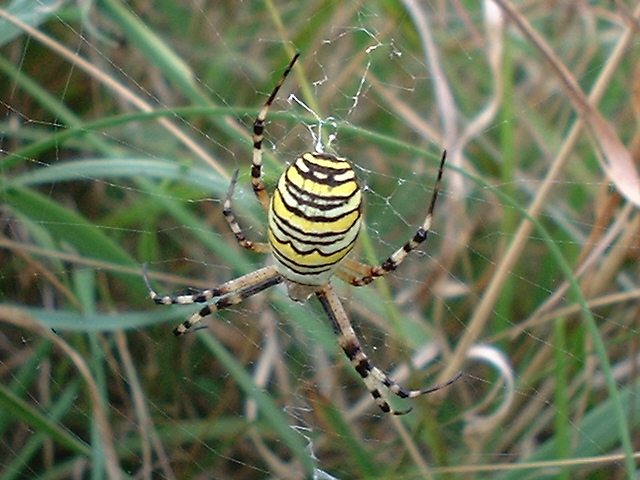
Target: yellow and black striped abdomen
{"x":314,"y":218}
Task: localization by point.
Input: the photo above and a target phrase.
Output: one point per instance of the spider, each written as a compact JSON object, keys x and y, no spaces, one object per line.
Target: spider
{"x":314,"y":218}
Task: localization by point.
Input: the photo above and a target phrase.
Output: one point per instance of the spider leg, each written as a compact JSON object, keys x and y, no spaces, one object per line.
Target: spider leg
{"x":234,"y":226}
{"x":374,"y":378}
{"x":258,"y":136}
{"x":365,"y":274}
{"x":351,"y":269}
{"x":230,"y":293}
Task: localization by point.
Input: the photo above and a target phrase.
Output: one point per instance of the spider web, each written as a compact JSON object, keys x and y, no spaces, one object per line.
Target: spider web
{"x":95,"y":184}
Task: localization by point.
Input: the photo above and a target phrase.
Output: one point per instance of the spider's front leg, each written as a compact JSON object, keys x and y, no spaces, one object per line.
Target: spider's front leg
{"x":258,"y":137}
{"x":228,"y":294}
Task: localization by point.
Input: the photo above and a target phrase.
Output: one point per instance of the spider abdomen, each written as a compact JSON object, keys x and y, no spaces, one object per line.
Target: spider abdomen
{"x":314,"y":217}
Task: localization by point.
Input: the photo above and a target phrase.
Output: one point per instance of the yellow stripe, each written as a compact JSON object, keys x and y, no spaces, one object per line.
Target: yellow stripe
{"x":311,"y":259}
{"x":335,"y":163}
{"x":311,"y":206}
{"x":292,"y":175}
{"x":306,"y":243}
{"x":309,"y":226}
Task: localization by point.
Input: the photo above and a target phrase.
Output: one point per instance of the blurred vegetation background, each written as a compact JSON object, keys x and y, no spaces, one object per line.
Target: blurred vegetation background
{"x":121,"y":125}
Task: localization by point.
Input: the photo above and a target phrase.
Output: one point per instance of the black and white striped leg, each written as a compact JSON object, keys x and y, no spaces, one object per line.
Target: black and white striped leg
{"x":234,"y":226}
{"x":230,"y":293}
{"x":365,"y":274}
{"x":258,"y":136}
{"x":375,"y":379}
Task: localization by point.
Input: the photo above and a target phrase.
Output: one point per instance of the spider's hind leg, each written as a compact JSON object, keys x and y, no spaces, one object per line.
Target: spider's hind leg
{"x":230,"y":293}
{"x":375,"y":379}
